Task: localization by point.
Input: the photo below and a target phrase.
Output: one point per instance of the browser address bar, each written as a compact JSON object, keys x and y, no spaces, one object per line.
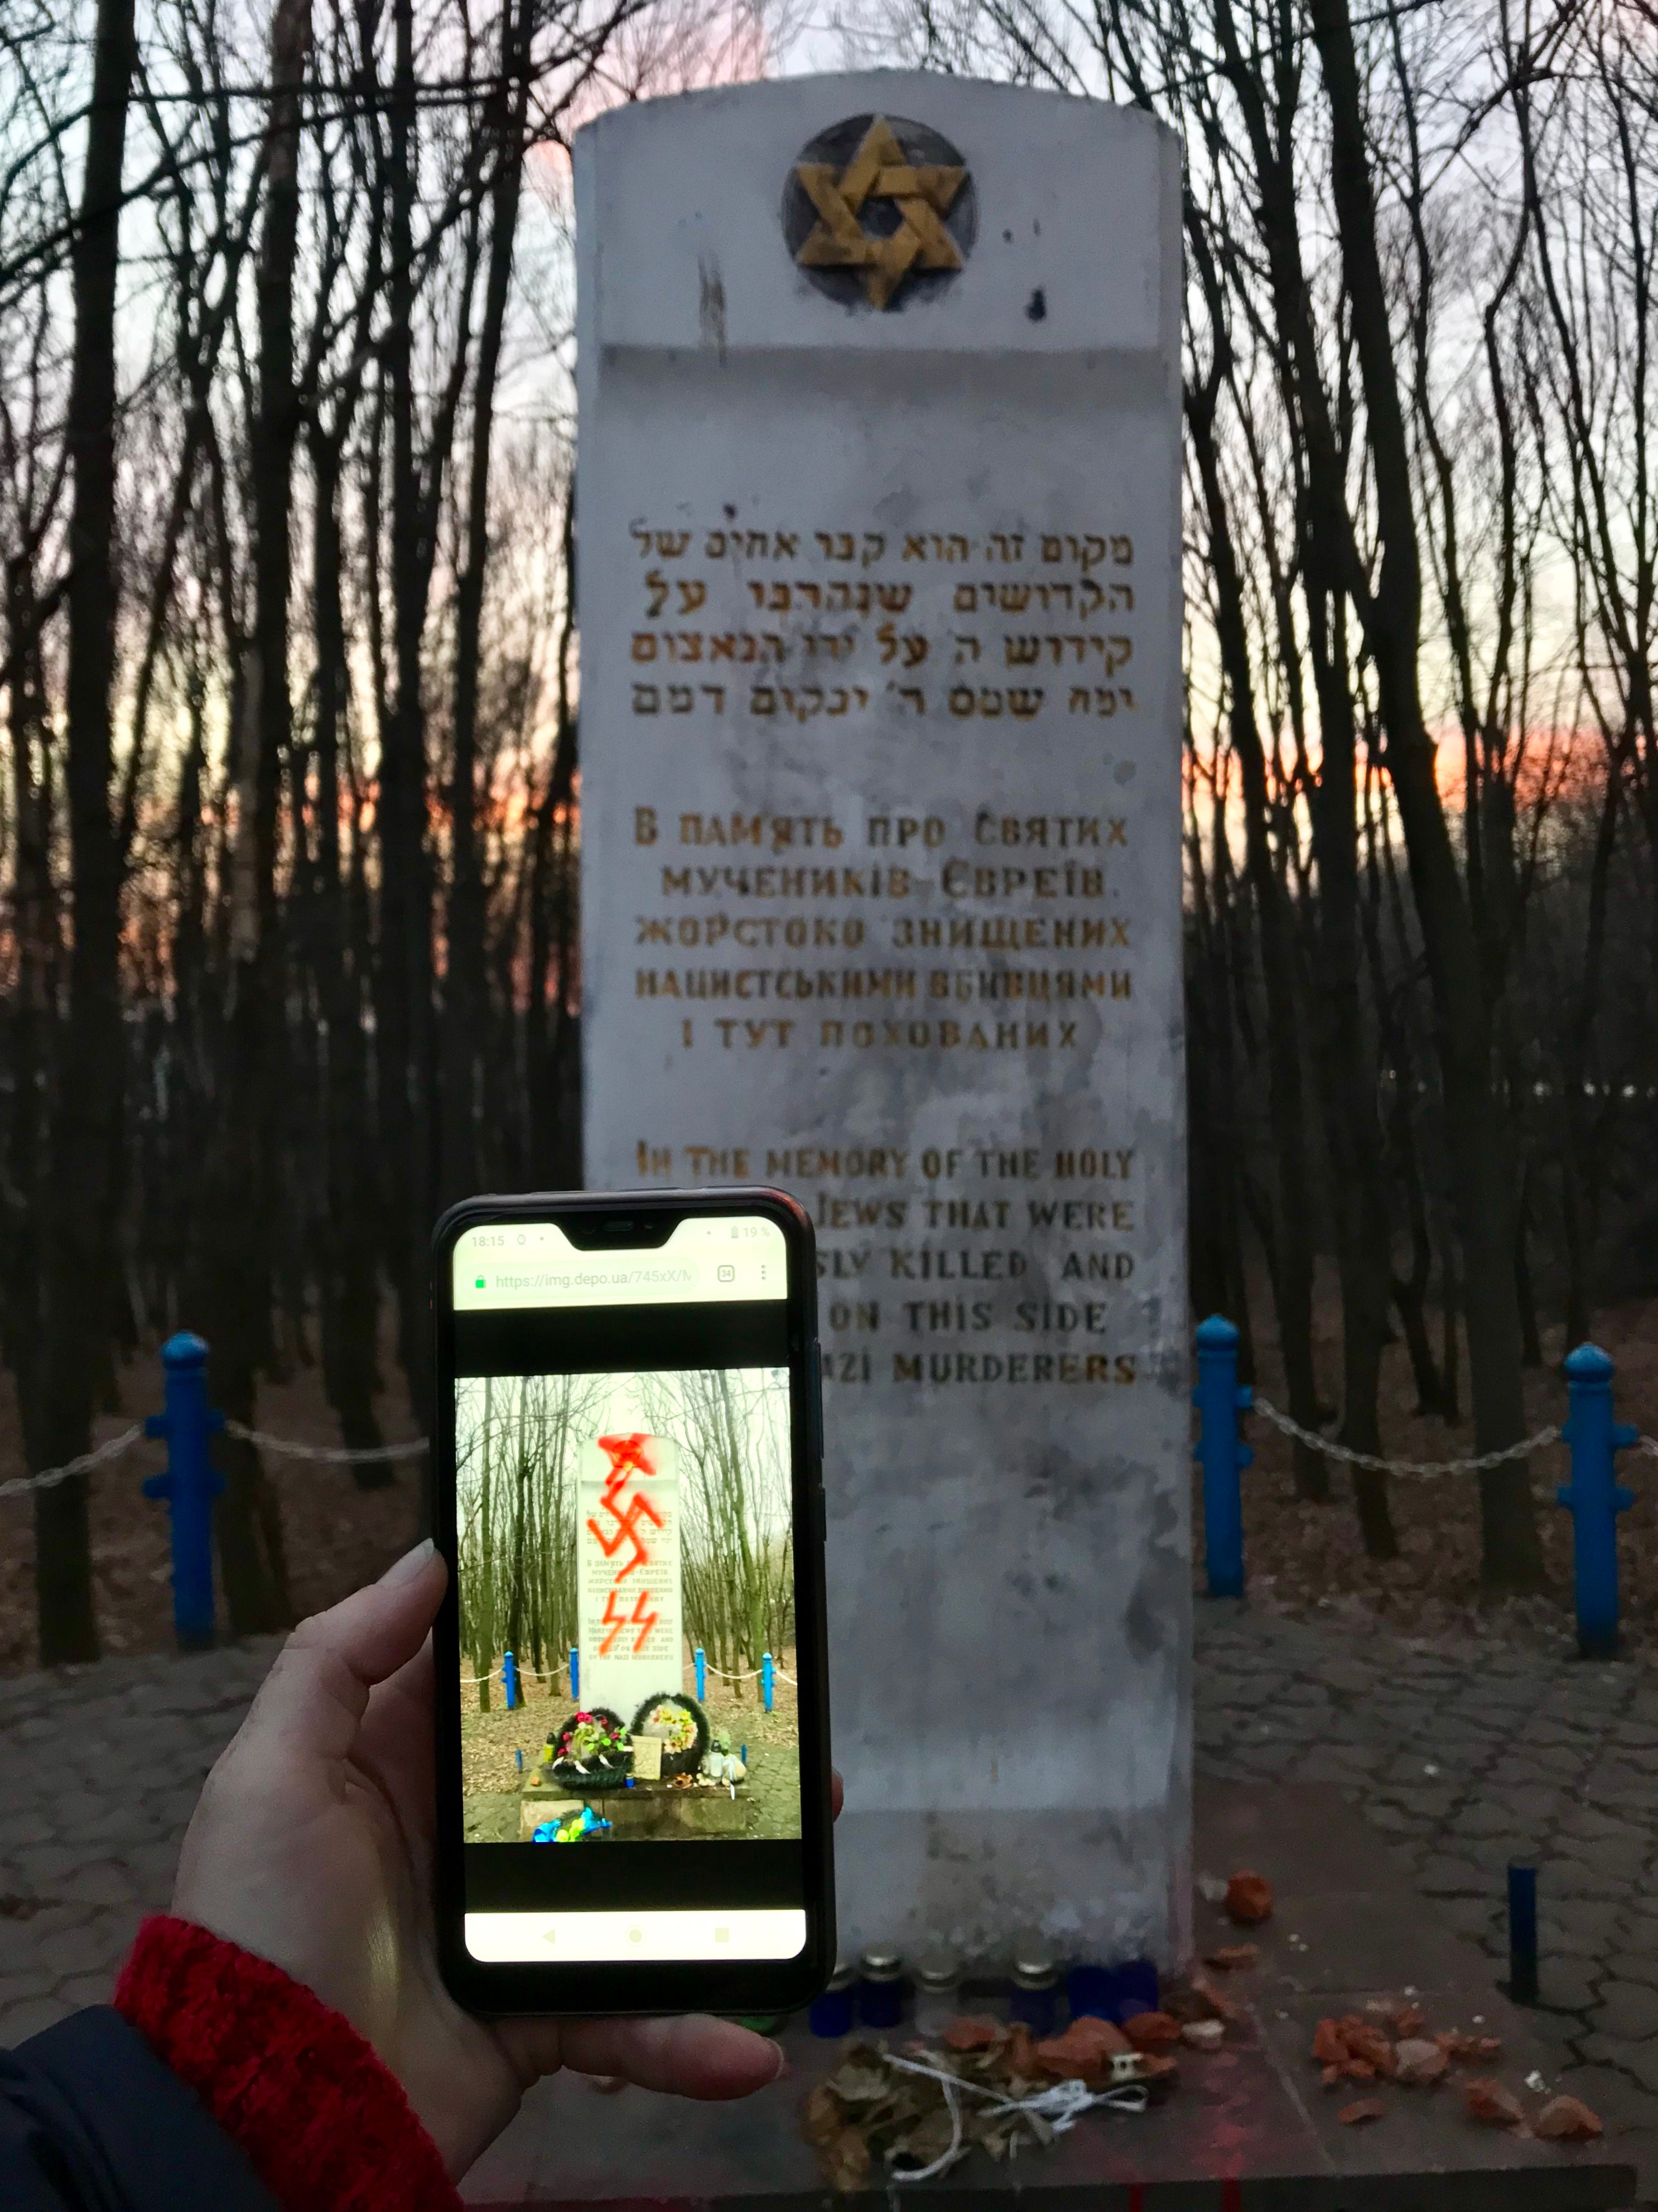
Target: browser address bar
{"x":492,"y":1279}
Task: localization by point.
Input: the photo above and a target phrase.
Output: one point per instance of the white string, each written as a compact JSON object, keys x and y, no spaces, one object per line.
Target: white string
{"x":1061,"y":2106}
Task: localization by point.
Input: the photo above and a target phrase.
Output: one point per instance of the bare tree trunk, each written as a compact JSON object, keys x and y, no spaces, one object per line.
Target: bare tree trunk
{"x":1293,"y":1274}
{"x":1475,"y":1111}
{"x":466,"y":994}
{"x":58,"y":1419}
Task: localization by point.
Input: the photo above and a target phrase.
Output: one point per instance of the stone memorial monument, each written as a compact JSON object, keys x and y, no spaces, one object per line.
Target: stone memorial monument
{"x":879,"y":594}
{"x":628,"y":1574}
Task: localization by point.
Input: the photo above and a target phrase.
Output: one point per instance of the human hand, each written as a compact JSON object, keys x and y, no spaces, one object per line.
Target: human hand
{"x":311,"y":1846}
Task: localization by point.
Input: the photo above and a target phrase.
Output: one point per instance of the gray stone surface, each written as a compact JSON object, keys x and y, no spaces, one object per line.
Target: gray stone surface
{"x":98,"y":1769}
{"x":68,"y":1904}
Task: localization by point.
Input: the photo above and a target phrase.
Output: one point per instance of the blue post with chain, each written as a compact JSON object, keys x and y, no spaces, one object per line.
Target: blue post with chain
{"x":1594,"y":1496}
{"x":190,"y":1485}
{"x":1219,"y":1399}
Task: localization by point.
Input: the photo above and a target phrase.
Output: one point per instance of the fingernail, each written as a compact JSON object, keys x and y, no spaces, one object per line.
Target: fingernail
{"x":406,"y":1569}
{"x":782,"y":2062}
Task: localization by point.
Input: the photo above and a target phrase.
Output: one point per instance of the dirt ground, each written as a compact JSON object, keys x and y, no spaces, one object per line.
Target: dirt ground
{"x":1303,"y":1560}
{"x":1307,"y":1561}
{"x":339,"y":1536}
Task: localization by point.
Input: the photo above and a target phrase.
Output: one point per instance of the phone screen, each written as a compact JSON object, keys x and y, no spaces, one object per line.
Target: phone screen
{"x":625,"y":1507}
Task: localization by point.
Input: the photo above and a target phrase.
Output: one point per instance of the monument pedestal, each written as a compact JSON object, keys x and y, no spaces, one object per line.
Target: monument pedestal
{"x":1246,"y":2125}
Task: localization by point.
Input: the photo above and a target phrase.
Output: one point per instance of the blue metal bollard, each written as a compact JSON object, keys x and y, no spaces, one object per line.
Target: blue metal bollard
{"x":190,"y":1485}
{"x":1522,"y":1934}
{"x":509,"y":1677}
{"x":701,"y":1674}
{"x":1219,"y":1399}
{"x":1594,"y":1498}
{"x":575,"y":1673}
{"x":767,"y":1677}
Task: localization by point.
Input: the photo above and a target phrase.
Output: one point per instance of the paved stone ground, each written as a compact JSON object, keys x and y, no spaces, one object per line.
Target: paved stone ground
{"x":1463,"y":1760}
{"x":99,"y":1768}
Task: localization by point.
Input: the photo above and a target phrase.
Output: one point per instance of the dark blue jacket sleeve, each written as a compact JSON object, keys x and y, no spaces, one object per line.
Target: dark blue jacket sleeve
{"x":92,"y":2121}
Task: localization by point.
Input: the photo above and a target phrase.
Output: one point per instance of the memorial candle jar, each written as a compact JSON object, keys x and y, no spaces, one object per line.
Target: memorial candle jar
{"x":938,"y":1992}
{"x":880,"y":1987}
{"x":830,"y":2014}
{"x":1035,"y":1994}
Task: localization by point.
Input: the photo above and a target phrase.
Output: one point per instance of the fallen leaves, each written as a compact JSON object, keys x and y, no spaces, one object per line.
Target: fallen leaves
{"x":1249,"y":1899}
{"x":873,"y":2113}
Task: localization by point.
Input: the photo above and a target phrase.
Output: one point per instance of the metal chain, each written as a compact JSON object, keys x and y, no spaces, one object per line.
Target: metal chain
{"x":51,"y":1477}
{"x":335,"y":1454}
{"x":1475,"y":1466}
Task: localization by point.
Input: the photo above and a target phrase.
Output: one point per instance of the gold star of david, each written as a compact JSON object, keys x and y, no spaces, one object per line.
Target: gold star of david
{"x":879,"y":171}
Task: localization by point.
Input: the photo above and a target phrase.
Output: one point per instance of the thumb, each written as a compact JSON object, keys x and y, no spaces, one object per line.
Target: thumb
{"x":315,"y":1695}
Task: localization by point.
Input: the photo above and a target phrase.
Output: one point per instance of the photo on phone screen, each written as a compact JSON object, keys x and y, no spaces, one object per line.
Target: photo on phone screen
{"x":625,"y":1478}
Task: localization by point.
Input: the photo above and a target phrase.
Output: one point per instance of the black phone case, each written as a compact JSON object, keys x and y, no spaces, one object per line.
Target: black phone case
{"x":702,"y":1985}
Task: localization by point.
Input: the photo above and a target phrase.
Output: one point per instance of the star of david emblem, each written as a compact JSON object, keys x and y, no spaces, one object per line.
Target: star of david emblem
{"x":879,"y":209}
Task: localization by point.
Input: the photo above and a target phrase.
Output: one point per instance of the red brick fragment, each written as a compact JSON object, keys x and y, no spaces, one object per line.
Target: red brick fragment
{"x":1328,"y":2048}
{"x":1249,"y":1899}
{"x":1566,"y":2119}
{"x":1151,"y":2031}
{"x":1456,"y":2044}
{"x":1208,"y":2002}
{"x":1488,"y":2101}
{"x":1361,"y":2110}
{"x":1233,"y":1958}
{"x":971,"y":2031}
{"x":1369,"y":2042}
{"x":1419,"y":2061}
{"x":1084,"y":2053}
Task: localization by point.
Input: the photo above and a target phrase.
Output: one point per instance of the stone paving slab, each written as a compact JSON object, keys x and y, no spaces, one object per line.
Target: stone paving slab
{"x":1460,"y":1760}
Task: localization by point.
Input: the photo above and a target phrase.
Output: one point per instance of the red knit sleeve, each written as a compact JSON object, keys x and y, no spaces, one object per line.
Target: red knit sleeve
{"x":324,"y":2122}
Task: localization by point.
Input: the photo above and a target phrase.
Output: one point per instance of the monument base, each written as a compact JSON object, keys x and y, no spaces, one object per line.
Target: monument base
{"x":1249,"y":2123}
{"x":979,"y":1880}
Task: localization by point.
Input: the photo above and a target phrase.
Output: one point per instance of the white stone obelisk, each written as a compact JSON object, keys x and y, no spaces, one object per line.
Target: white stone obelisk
{"x":881,"y":718}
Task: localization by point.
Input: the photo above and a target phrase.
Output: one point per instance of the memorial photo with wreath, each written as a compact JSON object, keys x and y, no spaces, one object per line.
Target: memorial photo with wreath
{"x":627,"y":1601}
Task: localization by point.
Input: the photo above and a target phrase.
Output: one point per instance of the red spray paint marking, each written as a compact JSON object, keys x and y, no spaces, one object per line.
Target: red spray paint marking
{"x":626,"y":1455}
{"x":639,"y":1618}
{"x":626,"y":1528}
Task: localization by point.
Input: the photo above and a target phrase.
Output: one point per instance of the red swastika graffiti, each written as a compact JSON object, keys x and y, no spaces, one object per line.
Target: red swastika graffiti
{"x":627,"y":1457}
{"x":645,"y":1622}
{"x":627,"y":1530}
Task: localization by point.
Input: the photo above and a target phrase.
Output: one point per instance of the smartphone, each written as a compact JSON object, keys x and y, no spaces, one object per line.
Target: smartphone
{"x":632,"y":1713}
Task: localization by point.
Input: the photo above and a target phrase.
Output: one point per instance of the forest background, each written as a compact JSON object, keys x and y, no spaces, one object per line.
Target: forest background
{"x":289,"y":803}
